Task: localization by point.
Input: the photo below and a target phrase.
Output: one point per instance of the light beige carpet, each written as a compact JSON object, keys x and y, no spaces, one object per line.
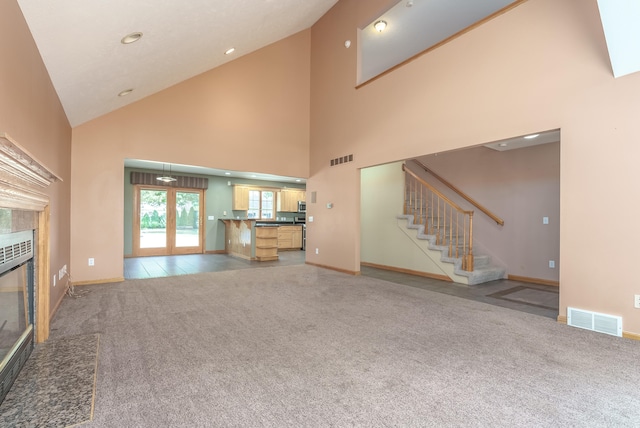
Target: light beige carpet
{"x":302,"y":346}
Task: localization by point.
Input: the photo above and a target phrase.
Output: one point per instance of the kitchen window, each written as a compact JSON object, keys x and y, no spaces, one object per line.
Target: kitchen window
{"x":261,"y":204}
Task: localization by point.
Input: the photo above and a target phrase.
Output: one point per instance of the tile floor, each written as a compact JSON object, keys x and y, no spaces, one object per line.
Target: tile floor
{"x":532,"y":298}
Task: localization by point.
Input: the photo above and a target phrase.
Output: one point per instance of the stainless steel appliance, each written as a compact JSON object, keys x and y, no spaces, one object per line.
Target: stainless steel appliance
{"x":302,"y":207}
{"x":301,"y":220}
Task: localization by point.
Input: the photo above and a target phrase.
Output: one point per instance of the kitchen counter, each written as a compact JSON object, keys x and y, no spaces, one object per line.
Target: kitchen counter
{"x":269,"y":223}
{"x":253,"y":239}
{"x":240,"y":237}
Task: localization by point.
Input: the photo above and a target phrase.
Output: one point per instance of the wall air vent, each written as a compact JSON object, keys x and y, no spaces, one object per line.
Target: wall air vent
{"x":341,"y":160}
{"x":594,"y":321}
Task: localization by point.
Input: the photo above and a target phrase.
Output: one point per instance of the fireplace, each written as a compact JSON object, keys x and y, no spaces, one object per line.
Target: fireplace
{"x":17,"y":308}
{"x":24,"y":257}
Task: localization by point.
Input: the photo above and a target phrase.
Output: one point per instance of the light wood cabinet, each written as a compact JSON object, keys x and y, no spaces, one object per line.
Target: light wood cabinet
{"x":289,"y":237}
{"x":296,"y":238}
{"x":288,"y":200}
{"x":240,"y":198}
{"x":266,"y":243}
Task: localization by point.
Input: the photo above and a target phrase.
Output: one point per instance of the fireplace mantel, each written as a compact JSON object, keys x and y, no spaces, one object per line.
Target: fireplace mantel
{"x":22,"y":177}
{"x":23,"y":182}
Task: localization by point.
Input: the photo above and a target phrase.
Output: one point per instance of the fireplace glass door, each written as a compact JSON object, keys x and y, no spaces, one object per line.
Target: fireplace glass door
{"x":16,"y":305}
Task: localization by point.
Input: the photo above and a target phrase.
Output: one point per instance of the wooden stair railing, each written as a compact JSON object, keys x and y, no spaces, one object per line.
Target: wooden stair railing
{"x":461,"y":193}
{"x":451,"y":225}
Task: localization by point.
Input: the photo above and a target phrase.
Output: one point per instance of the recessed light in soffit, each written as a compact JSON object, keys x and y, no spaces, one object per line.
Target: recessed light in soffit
{"x":125,"y":92}
{"x":230,"y":51}
{"x":131,"y":38}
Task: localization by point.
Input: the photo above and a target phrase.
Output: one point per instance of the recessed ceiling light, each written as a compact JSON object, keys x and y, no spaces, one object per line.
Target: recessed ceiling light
{"x":380,"y":26}
{"x":503,"y":144}
{"x":125,"y":92}
{"x":230,"y":51}
{"x":409,"y":3}
{"x":298,"y":180}
{"x":253,"y":176}
{"x":227,"y":173}
{"x":528,"y":137}
{"x":131,"y":38}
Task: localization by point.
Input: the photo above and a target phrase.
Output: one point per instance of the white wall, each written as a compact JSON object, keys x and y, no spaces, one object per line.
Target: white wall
{"x":383,"y":242}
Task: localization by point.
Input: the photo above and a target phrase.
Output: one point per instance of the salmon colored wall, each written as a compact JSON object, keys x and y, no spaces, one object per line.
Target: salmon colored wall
{"x":542,"y":65}
{"x":31,"y":113}
{"x":251,"y":114}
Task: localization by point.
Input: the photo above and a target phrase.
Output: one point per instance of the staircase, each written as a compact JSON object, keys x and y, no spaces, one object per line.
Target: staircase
{"x":444,"y":232}
{"x":482,"y":271}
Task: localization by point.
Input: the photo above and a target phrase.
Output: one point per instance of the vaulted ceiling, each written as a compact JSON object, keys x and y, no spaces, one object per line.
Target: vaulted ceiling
{"x":80,"y":40}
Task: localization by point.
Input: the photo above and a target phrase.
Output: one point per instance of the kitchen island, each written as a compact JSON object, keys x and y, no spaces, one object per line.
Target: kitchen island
{"x":258,"y":239}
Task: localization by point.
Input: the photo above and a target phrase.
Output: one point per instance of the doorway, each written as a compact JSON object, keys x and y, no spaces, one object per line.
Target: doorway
{"x":167,"y":221}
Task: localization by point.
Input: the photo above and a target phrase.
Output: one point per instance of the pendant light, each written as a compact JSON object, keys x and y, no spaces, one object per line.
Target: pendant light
{"x":166,"y":178}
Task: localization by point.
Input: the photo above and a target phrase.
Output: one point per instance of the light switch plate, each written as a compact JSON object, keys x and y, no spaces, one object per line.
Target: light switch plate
{"x":545,"y":220}
{"x":311,"y":219}
{"x":211,"y":217}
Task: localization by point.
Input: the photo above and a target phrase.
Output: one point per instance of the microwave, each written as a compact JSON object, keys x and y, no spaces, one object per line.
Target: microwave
{"x":302,"y":207}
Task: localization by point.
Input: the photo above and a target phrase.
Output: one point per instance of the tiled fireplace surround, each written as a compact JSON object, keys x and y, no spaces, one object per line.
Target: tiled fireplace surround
{"x":23,"y":184}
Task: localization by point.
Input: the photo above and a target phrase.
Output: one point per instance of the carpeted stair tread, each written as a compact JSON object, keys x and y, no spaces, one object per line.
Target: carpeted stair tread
{"x":483,"y":270}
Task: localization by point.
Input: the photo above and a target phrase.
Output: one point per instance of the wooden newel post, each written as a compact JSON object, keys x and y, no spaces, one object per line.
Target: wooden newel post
{"x":469,"y":256}
{"x":404,"y":206}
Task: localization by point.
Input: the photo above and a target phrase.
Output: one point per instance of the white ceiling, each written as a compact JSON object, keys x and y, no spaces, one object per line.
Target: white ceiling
{"x":177,"y":169}
{"x":79,"y":41}
{"x":523,"y":141}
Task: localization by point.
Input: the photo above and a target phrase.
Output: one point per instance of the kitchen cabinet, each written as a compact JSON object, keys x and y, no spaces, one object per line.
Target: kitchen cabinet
{"x":240,"y":198}
{"x":289,"y":237}
{"x":288,"y":200}
{"x":267,"y":243}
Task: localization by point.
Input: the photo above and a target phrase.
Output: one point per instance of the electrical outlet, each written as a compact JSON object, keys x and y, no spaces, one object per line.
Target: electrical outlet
{"x":545,"y":220}
{"x":316,"y":251}
{"x":552,"y":264}
{"x":92,"y":262}
{"x":636,"y":301}
{"x":211,"y":217}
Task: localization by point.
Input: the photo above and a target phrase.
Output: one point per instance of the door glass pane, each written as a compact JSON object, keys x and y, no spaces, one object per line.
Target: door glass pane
{"x":153,"y":218}
{"x":267,"y":205}
{"x":187,"y":219}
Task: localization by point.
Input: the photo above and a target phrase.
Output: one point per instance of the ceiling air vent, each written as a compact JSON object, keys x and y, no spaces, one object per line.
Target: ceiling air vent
{"x":341,"y":160}
{"x":594,"y":321}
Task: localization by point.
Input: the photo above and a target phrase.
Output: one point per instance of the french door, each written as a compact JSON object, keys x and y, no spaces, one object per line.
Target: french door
{"x":167,"y":221}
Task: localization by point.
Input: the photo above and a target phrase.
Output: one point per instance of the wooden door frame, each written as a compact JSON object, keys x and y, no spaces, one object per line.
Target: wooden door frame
{"x":170,"y":248}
